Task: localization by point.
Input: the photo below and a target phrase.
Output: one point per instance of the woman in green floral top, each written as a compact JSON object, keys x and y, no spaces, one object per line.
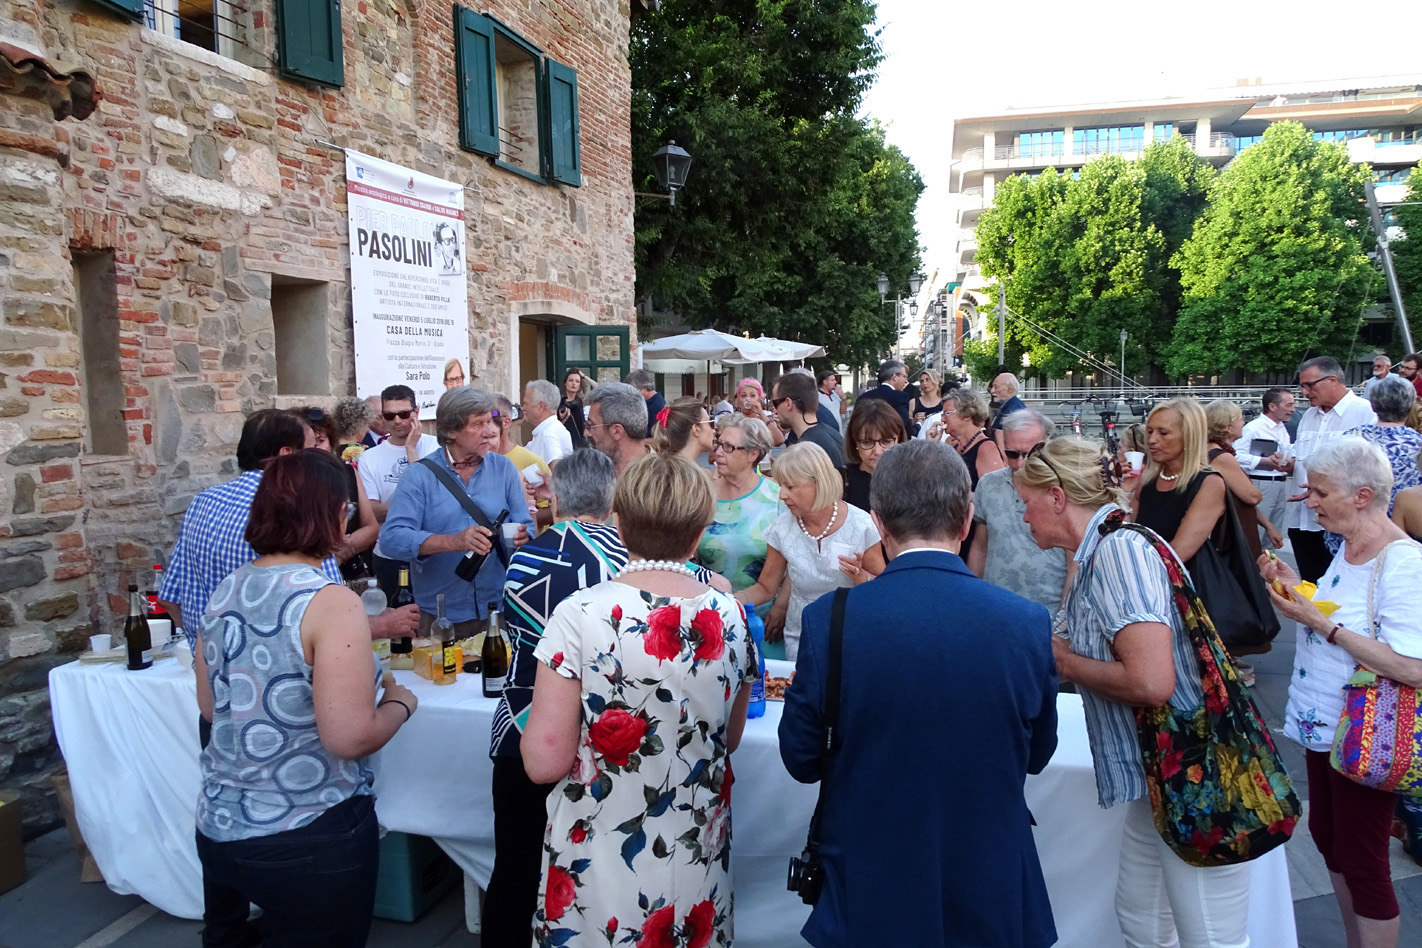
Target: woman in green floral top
{"x":747,"y":503}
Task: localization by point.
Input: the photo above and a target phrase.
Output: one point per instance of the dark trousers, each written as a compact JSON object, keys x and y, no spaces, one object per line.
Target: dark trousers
{"x":520,"y":815}
{"x":315,"y":885}
{"x":1311,"y":553}
{"x":388,"y":574}
{"x":1352,"y":827}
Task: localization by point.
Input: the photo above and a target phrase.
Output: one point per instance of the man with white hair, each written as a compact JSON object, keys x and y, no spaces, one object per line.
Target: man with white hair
{"x":1003,"y":551}
{"x":550,"y":439}
{"x":1003,"y":390}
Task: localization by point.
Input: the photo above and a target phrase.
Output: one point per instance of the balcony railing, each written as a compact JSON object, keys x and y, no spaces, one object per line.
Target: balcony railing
{"x":1215,"y":142}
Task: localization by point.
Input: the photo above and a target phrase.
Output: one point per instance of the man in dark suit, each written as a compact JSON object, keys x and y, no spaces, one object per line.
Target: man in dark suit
{"x":893,"y":377}
{"x":646,"y":384}
{"x":942,"y":714}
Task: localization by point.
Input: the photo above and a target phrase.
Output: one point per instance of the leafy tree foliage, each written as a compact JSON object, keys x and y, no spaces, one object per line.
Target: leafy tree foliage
{"x":794,"y":205}
{"x":1275,"y":269}
{"x":1407,"y":253}
{"x":1085,"y":258}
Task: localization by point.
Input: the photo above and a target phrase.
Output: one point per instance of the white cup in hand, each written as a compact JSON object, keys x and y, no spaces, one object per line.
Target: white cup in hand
{"x":533,"y":475}
{"x":1136,"y":459}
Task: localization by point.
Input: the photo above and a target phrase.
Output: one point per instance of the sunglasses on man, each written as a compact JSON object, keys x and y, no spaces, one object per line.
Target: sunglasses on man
{"x":392,"y":415}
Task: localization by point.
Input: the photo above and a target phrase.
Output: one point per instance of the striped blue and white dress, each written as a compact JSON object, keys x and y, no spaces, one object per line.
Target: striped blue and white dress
{"x":1120,"y":580}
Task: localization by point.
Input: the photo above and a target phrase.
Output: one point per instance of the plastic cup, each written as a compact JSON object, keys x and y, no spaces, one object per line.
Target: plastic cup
{"x":533,"y":475}
{"x":510,"y":535}
{"x":183,"y":652}
{"x":101,"y":642}
{"x":1136,"y":459}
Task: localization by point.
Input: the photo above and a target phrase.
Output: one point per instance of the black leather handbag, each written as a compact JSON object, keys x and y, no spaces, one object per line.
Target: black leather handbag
{"x":1228,"y":582}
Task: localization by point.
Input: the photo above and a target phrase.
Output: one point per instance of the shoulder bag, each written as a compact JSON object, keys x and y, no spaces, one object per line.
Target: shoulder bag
{"x":1229,"y":584}
{"x":1379,"y":739}
{"x":807,"y":874}
{"x":1218,"y":790}
{"x":471,"y":508}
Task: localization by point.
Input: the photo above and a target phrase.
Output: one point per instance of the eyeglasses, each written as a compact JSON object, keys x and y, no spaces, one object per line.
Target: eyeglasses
{"x":1018,"y":455}
{"x":392,"y":415}
{"x":949,"y":411}
{"x":719,"y":445}
{"x":775,"y":402}
{"x":1307,"y":386}
{"x":867,"y":444}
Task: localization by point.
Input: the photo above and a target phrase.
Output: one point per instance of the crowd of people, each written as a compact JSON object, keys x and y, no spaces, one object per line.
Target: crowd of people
{"x":645,"y":533}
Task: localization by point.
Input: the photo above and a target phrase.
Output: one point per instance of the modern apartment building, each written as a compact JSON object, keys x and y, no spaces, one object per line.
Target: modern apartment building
{"x":1379,"y":119}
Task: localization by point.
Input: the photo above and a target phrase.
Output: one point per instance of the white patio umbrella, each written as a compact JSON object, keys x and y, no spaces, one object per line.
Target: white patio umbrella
{"x":706,"y":344}
{"x":780,"y":350}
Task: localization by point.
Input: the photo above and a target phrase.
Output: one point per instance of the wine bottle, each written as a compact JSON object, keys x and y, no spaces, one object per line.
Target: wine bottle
{"x":447,"y":665}
{"x":403,"y":597}
{"x":135,"y":631}
{"x":160,"y":624}
{"x":469,"y":567}
{"x":495,"y":655}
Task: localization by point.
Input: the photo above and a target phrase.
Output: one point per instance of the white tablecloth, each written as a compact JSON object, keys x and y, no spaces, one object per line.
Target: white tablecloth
{"x":130,"y":739}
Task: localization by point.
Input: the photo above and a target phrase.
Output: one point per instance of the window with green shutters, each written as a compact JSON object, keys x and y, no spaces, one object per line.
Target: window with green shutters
{"x":128,"y":9}
{"x":309,"y":41}
{"x":516,"y":105}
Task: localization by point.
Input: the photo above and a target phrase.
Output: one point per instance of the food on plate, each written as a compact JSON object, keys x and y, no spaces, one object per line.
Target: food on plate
{"x":775,"y":687}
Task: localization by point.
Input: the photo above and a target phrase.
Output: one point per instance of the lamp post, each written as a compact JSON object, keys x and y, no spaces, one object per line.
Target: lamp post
{"x":915,"y":282}
{"x":671,"y":164}
{"x":1124,"y":336}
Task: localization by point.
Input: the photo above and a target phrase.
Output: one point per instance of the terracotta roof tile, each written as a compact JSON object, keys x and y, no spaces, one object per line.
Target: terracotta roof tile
{"x":73,"y":91}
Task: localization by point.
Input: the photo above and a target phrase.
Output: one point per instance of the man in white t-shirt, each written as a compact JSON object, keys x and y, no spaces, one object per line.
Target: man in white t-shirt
{"x":831,"y":396}
{"x":1270,"y":472}
{"x":1334,"y":410}
{"x":550,"y":440}
{"x":382,"y":466}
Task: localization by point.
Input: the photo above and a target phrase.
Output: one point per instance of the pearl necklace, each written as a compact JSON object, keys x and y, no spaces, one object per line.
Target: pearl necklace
{"x":647,"y":566}
{"x":1169,"y":477}
{"x":830,"y":526}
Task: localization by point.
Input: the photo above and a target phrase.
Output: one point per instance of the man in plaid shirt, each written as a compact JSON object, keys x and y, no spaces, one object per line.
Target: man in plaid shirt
{"x":212,"y":539}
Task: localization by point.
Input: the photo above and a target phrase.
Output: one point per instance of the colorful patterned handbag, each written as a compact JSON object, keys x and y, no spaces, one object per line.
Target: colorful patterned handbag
{"x":1218,"y":790}
{"x":1379,"y":739}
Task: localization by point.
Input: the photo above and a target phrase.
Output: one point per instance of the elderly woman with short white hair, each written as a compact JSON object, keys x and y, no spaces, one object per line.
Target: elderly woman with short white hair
{"x":820,"y":541}
{"x":1377,"y":625}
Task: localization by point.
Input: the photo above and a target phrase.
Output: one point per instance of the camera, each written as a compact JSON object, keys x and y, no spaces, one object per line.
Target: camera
{"x":806,"y":876}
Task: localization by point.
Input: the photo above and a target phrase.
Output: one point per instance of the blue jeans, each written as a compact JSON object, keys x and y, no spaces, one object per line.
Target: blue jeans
{"x":315,"y":885}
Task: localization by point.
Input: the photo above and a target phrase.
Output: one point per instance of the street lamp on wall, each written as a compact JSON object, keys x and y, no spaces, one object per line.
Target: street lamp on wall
{"x":671,"y":163}
{"x":915,"y":282}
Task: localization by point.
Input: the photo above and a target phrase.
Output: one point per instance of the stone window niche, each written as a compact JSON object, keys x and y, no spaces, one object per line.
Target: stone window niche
{"x":96,"y":287}
{"x":301,"y":311}
{"x":517,"y":76}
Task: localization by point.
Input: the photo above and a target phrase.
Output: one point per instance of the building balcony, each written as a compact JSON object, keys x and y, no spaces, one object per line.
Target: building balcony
{"x":1385,"y":153}
{"x":967,"y":240}
{"x":1391,"y":193}
{"x":1214,"y":145}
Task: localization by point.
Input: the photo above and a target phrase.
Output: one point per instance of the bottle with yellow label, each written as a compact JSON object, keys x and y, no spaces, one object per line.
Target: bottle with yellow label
{"x":445,"y":662}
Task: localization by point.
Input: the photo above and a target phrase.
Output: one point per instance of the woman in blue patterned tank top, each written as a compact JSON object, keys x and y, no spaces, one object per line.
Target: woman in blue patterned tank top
{"x":286,"y":816}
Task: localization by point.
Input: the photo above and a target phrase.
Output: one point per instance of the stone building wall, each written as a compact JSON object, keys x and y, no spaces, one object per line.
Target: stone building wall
{"x":201,"y":178}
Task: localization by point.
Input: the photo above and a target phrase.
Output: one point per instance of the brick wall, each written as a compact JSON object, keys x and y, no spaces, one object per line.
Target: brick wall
{"x":202,"y":177}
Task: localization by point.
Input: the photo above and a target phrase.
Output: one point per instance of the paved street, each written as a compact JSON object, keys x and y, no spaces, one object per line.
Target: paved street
{"x":54,"y":910}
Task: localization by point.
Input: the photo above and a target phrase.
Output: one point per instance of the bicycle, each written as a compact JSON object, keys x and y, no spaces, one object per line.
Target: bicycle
{"x":1108,"y":426}
{"x":1075,"y":415}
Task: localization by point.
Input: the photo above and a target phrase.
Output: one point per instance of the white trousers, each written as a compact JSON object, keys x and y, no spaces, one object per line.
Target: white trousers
{"x":1162,"y":902}
{"x":1274,"y":506}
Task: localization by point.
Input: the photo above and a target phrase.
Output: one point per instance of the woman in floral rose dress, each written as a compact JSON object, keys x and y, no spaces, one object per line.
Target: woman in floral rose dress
{"x":640,"y":699}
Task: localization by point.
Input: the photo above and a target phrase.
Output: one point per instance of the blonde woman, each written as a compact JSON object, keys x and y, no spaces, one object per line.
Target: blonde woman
{"x":750,"y":402}
{"x":1181,"y":498}
{"x":929,"y":400}
{"x":1225,"y":423}
{"x":1126,"y":647}
{"x":821,"y":541}
{"x":965,"y":412}
{"x":684,"y":429}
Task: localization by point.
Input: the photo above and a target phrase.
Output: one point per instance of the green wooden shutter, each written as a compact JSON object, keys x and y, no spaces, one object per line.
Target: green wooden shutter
{"x":128,"y":9}
{"x":562,"y":97}
{"x":309,"y":41}
{"x":474,"y":69}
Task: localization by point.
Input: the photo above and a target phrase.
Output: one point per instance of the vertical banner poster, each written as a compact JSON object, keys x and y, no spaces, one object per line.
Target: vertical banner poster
{"x":409,"y":292}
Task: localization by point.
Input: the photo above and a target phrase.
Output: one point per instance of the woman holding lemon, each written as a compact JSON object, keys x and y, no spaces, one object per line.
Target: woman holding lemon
{"x":1373,"y":621}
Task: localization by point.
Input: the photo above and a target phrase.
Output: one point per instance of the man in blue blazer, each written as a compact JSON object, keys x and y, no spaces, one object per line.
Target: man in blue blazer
{"x":948,"y":700}
{"x":893,"y":379}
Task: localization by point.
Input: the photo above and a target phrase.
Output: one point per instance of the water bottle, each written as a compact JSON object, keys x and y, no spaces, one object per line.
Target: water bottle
{"x":757,"y":631}
{"x":373,"y":599}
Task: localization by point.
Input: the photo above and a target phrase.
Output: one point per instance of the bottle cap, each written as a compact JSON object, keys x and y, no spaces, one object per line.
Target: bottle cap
{"x":133,"y":587}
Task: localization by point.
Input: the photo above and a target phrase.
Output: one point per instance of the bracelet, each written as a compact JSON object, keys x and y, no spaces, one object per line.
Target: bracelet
{"x":1333,"y":633}
{"x":402,"y":704}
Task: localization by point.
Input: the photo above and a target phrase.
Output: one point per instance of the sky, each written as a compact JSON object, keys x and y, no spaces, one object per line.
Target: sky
{"x":946,"y":60}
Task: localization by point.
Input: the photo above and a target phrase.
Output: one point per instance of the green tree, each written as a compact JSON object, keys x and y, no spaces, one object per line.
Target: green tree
{"x":1088,"y":257}
{"x":795,"y":205}
{"x":1407,"y":252}
{"x":1275,"y":269}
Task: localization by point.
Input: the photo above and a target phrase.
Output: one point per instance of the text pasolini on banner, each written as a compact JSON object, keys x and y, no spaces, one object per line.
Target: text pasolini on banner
{"x":409,"y":291}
